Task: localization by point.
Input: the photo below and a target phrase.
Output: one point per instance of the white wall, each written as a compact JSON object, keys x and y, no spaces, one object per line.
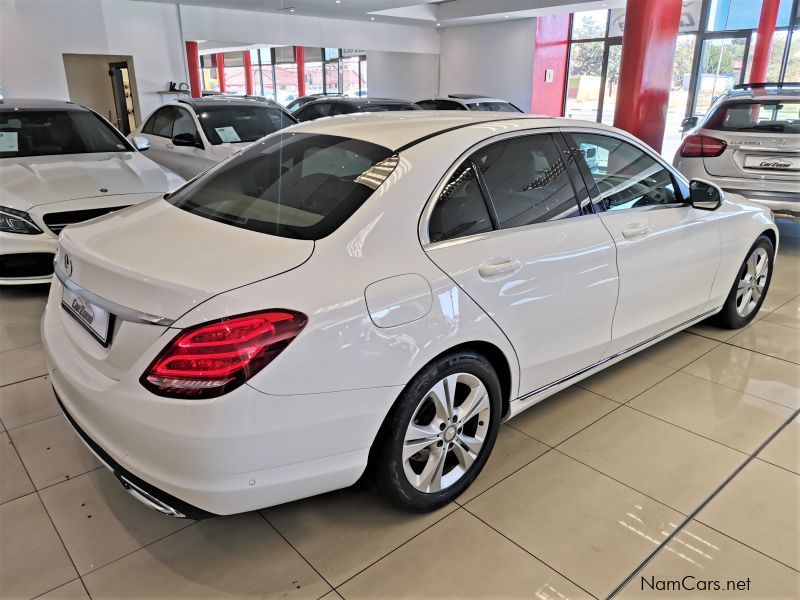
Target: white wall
{"x":402,"y":75}
{"x":252,"y":27}
{"x":34,"y":35}
{"x":495,"y":59}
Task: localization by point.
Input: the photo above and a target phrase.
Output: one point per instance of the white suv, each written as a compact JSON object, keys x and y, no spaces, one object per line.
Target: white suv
{"x":468,"y":102}
{"x":189,"y":136}
{"x":749,"y":144}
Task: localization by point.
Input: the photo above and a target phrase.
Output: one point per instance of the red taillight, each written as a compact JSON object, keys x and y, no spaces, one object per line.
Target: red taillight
{"x":212,"y":359}
{"x":699,"y":145}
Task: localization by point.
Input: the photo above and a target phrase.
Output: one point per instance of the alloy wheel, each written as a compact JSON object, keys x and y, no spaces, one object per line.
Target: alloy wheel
{"x":447,"y":432}
{"x":752,"y":281}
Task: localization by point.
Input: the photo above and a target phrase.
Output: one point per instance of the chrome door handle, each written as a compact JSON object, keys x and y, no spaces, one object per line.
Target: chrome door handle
{"x":498,"y":266}
{"x":634,"y":230}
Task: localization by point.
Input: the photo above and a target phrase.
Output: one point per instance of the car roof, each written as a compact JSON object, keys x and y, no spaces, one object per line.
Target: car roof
{"x":359,"y":101}
{"x":222,"y":101}
{"x":466,"y":99}
{"x":39,"y":104}
{"x":396,"y":130}
{"x":768,"y":92}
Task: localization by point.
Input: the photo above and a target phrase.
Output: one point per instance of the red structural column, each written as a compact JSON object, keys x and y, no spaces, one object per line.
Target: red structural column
{"x":648,"y":53}
{"x":248,"y":72}
{"x":550,"y":52}
{"x":766,"y":30}
{"x":221,"y":71}
{"x":193,"y":62}
{"x":300,"y":59}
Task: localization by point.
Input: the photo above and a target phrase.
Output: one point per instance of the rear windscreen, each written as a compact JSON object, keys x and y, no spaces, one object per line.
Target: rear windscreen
{"x":493,"y":107}
{"x":776,"y":116}
{"x":298,"y":185}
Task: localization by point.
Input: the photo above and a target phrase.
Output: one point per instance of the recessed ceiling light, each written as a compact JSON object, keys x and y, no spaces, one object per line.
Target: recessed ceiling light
{"x":506,"y":16}
{"x":372,"y":18}
{"x":438,"y":24}
{"x":338,"y":1}
{"x":291,"y":10}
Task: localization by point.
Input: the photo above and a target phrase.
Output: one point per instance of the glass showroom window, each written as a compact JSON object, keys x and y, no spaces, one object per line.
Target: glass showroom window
{"x":285,"y":74}
{"x":263,"y":72}
{"x":586,"y":64}
{"x":234,"y":73}
{"x":354,"y":72}
{"x":333,"y":67}
{"x":315,"y":77}
{"x":793,"y":62}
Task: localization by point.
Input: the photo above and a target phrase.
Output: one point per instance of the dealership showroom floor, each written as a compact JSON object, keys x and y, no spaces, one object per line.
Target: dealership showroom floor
{"x":579,"y":491}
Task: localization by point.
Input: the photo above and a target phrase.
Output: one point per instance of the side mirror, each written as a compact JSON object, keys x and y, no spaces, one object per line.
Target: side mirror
{"x":186,"y":139}
{"x":704,"y":195}
{"x":141,"y":143}
{"x":688,"y":123}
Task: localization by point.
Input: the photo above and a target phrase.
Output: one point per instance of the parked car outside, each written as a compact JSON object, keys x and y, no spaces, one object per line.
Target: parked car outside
{"x":468,"y":102}
{"x":749,"y":144}
{"x":61,"y":163}
{"x":189,"y":136}
{"x":377,"y":295}
{"x":331,"y":107}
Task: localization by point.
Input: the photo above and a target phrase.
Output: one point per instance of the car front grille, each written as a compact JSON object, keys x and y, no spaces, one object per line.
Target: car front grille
{"x":56,"y":221}
{"x":26,"y":265}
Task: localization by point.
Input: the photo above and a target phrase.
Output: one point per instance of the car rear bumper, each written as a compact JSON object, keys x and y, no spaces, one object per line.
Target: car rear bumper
{"x":243,"y":451}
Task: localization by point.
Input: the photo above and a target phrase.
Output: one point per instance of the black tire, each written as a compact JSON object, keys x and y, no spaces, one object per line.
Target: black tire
{"x":729,"y":316}
{"x":386,"y":468}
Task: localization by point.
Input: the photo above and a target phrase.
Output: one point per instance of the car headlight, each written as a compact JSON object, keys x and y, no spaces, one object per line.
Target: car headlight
{"x":17,"y":221}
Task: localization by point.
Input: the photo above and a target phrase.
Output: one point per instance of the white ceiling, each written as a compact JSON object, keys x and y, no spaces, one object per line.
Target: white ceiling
{"x":431,"y":13}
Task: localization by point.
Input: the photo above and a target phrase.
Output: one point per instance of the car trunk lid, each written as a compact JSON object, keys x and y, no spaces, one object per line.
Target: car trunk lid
{"x":156,"y":262}
{"x":771,"y":157}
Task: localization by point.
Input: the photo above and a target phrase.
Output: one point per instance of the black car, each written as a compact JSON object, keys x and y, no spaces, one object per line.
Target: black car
{"x":329,"y":107}
{"x":298,"y":103}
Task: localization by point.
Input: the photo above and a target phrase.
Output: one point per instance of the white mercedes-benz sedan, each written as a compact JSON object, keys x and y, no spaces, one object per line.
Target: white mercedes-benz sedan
{"x":373,"y":295}
{"x":61,"y":163}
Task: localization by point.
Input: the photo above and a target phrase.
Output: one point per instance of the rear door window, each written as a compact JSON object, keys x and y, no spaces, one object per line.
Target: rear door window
{"x":461,"y":209}
{"x":301,"y":186}
{"x":527,"y":180}
{"x":767,"y":116}
{"x":162,"y":122}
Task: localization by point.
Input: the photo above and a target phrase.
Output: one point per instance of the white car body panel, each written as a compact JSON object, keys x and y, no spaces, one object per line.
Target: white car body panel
{"x":40,"y":185}
{"x":550,"y":322}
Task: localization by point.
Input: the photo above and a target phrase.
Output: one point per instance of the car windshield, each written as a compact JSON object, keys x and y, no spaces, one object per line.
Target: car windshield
{"x":493,"y":107}
{"x":49,"y":132}
{"x":778,"y":116}
{"x":300,"y":186}
{"x":236,"y":123}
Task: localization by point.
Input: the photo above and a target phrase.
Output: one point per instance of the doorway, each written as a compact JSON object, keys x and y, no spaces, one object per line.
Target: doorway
{"x":105,"y":83}
{"x":123,"y":96}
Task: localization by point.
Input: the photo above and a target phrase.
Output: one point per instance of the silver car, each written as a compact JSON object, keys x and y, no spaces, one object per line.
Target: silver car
{"x":749,"y":144}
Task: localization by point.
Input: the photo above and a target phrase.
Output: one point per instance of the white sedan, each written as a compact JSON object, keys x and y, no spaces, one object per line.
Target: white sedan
{"x":376,"y":294}
{"x":60,"y":164}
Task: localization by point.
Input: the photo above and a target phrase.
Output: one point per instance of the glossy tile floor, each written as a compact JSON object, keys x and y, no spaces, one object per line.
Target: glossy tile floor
{"x":663,"y":456}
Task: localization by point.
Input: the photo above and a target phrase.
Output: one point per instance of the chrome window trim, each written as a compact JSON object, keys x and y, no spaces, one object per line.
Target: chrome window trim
{"x":422,"y":230}
{"x":121,"y":312}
